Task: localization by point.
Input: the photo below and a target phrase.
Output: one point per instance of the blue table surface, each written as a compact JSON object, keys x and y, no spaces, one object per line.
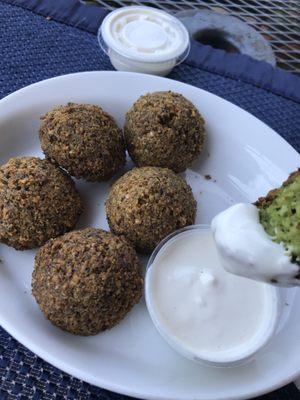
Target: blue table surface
{"x":42,"y":39}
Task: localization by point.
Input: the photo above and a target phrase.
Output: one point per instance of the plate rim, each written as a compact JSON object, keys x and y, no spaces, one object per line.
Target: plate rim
{"x":80,"y":374}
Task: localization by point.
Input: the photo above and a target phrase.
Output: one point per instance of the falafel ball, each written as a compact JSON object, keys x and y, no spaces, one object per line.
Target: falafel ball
{"x":147,"y":204}
{"x":164,"y":129}
{"x":86,"y":281}
{"x":38,"y":201}
{"x":83,"y":139}
{"x":279,"y":214}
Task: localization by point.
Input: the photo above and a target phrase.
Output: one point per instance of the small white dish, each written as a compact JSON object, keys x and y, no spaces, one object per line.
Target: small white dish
{"x":243,"y":159}
{"x":144,"y":39}
{"x":178,"y":262}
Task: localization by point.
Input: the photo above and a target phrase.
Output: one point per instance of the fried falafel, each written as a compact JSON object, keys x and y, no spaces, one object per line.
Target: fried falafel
{"x":164,"y":129}
{"x":38,"y":201}
{"x":83,"y":139}
{"x":147,"y":204}
{"x":86,"y":281}
{"x":279,"y":213}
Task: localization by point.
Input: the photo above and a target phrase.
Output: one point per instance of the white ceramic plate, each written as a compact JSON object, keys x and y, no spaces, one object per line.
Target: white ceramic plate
{"x":244,"y":157}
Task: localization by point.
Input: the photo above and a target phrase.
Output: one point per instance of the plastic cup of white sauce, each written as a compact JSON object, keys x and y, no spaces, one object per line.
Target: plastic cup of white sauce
{"x":205,"y":313}
{"x":144,"y":39}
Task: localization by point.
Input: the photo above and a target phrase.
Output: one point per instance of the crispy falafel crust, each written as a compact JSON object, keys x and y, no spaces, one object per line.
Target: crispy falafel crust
{"x":83,"y":139}
{"x":147,"y":204}
{"x":272,"y":194}
{"x":38,"y":201}
{"x":86,"y":281}
{"x":164,"y":129}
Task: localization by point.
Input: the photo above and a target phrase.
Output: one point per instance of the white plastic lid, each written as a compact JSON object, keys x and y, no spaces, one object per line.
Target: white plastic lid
{"x":144,"y":34}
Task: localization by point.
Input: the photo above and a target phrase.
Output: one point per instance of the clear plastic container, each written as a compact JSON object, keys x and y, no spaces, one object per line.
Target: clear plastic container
{"x":144,"y":39}
{"x":240,"y":354}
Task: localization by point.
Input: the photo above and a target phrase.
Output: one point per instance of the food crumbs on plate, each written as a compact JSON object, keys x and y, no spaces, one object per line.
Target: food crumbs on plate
{"x":207,"y":177}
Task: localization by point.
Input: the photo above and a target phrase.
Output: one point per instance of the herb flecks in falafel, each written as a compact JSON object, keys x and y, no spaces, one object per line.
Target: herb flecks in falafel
{"x":38,"y":201}
{"x":164,"y":129}
{"x":279,"y":213}
{"x":147,"y":204}
{"x":86,"y":281}
{"x":83,"y":139}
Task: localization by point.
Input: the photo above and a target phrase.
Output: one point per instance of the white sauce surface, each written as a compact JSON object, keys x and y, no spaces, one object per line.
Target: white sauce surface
{"x":203,"y":307}
{"x":247,"y":250}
